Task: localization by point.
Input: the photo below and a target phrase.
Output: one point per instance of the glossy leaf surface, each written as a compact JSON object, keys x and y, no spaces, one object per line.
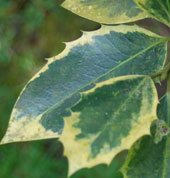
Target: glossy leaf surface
{"x":147,"y":159}
{"x":103,"y":11}
{"x":97,"y":56}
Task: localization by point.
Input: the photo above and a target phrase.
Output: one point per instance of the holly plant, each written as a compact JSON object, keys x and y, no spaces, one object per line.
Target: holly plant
{"x":99,"y":97}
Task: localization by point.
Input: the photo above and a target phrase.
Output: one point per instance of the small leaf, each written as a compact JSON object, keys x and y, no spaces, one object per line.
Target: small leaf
{"x":97,"y":56}
{"x":108,"y":119}
{"x":151,"y":160}
{"x":162,"y":129}
{"x":103,"y":11}
{"x":158,"y":9}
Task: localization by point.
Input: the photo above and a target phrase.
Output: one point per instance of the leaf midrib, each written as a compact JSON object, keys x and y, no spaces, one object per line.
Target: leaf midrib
{"x":122,"y":105}
{"x":93,"y":81}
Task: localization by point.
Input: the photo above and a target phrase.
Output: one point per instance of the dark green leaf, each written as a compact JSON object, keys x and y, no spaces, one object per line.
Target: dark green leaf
{"x":146,"y":159}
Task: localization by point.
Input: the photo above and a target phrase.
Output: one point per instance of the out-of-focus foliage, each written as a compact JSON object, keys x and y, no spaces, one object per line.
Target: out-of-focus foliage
{"x":34,"y":160}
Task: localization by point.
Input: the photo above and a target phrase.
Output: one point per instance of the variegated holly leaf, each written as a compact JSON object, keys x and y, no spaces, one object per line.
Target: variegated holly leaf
{"x":148,"y":159}
{"x":158,"y":9}
{"x":108,"y":119}
{"x":104,"y":11}
{"x":97,"y":56}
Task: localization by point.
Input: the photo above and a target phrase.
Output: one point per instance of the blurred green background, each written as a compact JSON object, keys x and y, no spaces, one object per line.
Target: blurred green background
{"x":30,"y":31}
